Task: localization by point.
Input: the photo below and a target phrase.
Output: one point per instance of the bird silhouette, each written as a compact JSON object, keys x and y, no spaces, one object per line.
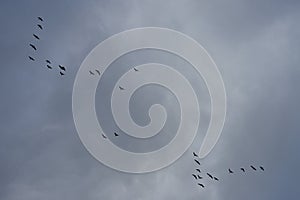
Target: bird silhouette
{"x":197,"y":162}
{"x":92,"y":73}
{"x":230,"y":171}
{"x":253,"y":167}
{"x":61,"y":73}
{"x":243,"y":169}
{"x":196,"y":155}
{"x":199,"y":177}
{"x":262,"y":168}
{"x":98,"y":72}
{"x":34,"y":47}
{"x":200,"y":184}
{"x":41,"y":19}
{"x":36,"y":37}
{"x":48,"y":61}
{"x":209,"y":175}
{"x":215,"y":178}
{"x":198,"y":170}
{"x":135,"y":69}
{"x":62,"y":67}
{"x":116,"y":134}
{"x":40,"y":26}
{"x":49,"y":66}
{"x":195,"y":176}
{"x":31,"y":58}
{"x":104,"y":136}
{"x":121,"y":88}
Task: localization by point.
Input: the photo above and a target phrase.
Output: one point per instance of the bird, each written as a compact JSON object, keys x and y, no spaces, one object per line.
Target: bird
{"x":199,"y":177}
{"x":61,"y":73}
{"x":230,"y":171}
{"x":198,"y":170}
{"x":197,"y":162}
{"x":40,"y":26}
{"x":41,"y":19}
{"x":195,"y":176}
{"x":253,"y":167}
{"x":200,"y":184}
{"x":243,"y":169}
{"x":195,"y":154}
{"x":262,"y":168}
{"x":209,"y":175}
{"x":135,"y":69}
{"x":62,"y":67}
{"x":92,"y":73}
{"x":104,"y":136}
{"x":36,"y":37}
{"x":121,"y":88}
{"x":34,"y":47}
{"x":31,"y":58}
{"x":116,"y":134}
{"x":215,"y":178}
{"x":97,"y":71}
{"x":48,"y":61}
{"x":49,"y":66}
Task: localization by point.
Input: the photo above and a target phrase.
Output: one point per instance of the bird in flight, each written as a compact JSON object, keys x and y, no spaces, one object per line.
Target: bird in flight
{"x":262,"y":168}
{"x":195,"y":176}
{"x":48,"y":61}
{"x":40,"y":26}
{"x":62,"y":67}
{"x":198,"y":170}
{"x":104,"y":136}
{"x":195,"y":154}
{"x":197,"y":162}
{"x":98,"y":72}
{"x":215,"y":178}
{"x":253,"y":167}
{"x":61,"y":73}
{"x":243,"y":169}
{"x":116,"y":134}
{"x":49,"y":66}
{"x":31,"y":58}
{"x":92,"y":73}
{"x":199,"y":177}
{"x":121,"y":88}
{"x":230,"y":171}
{"x":200,"y":184}
{"x":32,"y":46}
{"x":135,"y":69}
{"x":41,"y":19}
{"x":36,"y":37}
{"x":209,"y":175}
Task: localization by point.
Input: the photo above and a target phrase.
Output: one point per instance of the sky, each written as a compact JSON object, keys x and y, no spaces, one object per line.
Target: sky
{"x":255,"y":45}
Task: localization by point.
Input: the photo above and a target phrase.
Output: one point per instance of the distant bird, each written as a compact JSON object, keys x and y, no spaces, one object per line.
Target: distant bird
{"x":36,"y":37}
{"x":199,"y":177}
{"x":48,"y":61}
{"x":62,"y":67}
{"x":104,"y":136}
{"x":34,"y":47}
{"x":262,"y":168}
{"x":195,"y":176}
{"x":121,"y":88}
{"x":49,"y":66}
{"x":31,"y":58}
{"x":41,"y":19}
{"x":116,"y":134}
{"x":135,"y":69}
{"x":215,"y":178}
{"x":92,"y":73}
{"x":195,"y":154}
{"x":197,"y":162}
{"x":243,"y":169}
{"x":209,"y":175}
{"x":40,"y":26}
{"x":253,"y":167}
{"x":61,"y":73}
{"x":198,"y":170}
{"x":200,"y":184}
{"x":230,"y":171}
{"x":98,"y":72}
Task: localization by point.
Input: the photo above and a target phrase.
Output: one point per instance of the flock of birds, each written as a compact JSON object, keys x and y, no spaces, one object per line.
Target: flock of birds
{"x":48,"y":63}
{"x":198,"y":175}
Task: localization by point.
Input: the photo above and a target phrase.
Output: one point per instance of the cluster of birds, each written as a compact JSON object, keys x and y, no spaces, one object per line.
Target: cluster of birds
{"x":34,"y":47}
{"x":198,"y":174}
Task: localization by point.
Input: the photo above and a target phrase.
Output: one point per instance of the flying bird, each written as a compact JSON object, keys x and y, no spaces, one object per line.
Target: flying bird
{"x":61,"y":73}
{"x":195,"y":176}
{"x":49,"y":66}
{"x":243,"y":169}
{"x":135,"y":69}
{"x":209,"y":175}
{"x":40,"y":26}
{"x":198,"y":170}
{"x":104,"y":136}
{"x":197,"y":162}
{"x":48,"y":61}
{"x":199,"y":177}
{"x":31,"y":58}
{"x":253,"y":167}
{"x":200,"y":184}
{"x":121,"y":88}
{"x":92,"y":73}
{"x":215,"y":178}
{"x":36,"y":37}
{"x":195,"y":154}
{"x":41,"y":19}
{"x":230,"y":171}
{"x":34,"y":47}
{"x":98,"y":72}
{"x":262,"y":168}
{"x":116,"y":134}
{"x":62,"y":67}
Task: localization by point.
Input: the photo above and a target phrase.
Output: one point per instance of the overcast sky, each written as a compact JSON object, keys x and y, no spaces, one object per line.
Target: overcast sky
{"x":254,"y":43}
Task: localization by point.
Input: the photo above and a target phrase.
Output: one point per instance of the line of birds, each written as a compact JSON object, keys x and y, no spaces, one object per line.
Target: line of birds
{"x":33,"y":46}
{"x":197,"y":176}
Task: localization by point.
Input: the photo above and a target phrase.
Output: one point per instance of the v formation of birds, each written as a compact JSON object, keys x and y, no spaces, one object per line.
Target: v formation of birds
{"x":36,"y":36}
